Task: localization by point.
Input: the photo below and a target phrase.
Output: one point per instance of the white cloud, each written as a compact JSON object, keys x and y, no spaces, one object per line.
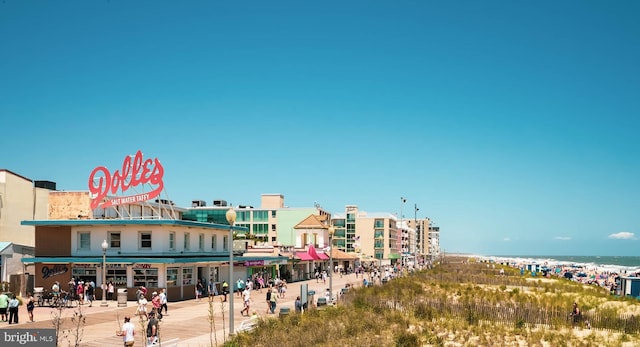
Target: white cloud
{"x":506,"y":239}
{"x":623,"y":235}
{"x":563,"y":238}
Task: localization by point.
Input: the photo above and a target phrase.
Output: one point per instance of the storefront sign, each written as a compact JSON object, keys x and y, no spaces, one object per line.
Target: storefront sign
{"x":254,"y":263}
{"x":142,"y":266}
{"x":84,"y":265}
{"x":119,"y":266}
{"x":133,"y":174}
{"x":55,"y":270}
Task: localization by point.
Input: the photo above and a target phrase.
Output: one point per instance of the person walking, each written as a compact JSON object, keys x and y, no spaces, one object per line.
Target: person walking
{"x":163,"y":301}
{"x":80,"y":292}
{"x":13,"y":309}
{"x":225,"y":289}
{"x":240,"y":286}
{"x":30,"y":306}
{"x":576,"y":314}
{"x":274,"y":301}
{"x":246,"y":296}
{"x":268,"y":300}
{"x":90,"y":291}
{"x":199,"y":290}
{"x":110,"y":291}
{"x":4,"y":305}
{"x":152,"y":330}
{"x":156,"y":305}
{"x":128,"y":332}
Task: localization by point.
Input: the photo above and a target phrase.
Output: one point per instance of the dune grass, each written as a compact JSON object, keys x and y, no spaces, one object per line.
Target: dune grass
{"x":456,"y":304}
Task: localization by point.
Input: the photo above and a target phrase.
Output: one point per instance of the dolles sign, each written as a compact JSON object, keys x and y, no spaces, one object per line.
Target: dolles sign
{"x":134,"y":173}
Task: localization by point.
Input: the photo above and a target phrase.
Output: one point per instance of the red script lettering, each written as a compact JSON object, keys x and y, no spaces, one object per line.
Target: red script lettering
{"x":133,"y":174}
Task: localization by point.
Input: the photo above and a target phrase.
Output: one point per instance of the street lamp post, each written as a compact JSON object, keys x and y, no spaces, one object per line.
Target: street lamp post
{"x":231,"y":218}
{"x":105,"y":245}
{"x":416,"y":247}
{"x":402,"y":260}
{"x":332,"y":230}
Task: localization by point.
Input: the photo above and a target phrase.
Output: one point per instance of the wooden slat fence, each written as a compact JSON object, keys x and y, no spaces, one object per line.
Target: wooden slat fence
{"x":474,"y":312}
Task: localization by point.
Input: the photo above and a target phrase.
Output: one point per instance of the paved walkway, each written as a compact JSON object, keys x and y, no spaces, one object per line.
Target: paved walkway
{"x":187,"y":320}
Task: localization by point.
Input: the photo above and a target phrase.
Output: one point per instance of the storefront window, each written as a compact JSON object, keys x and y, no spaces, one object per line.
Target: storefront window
{"x":147,"y":277}
{"x":118,"y":276}
{"x":213,"y":274}
{"x":172,"y":276}
{"x":187,"y":276}
{"x":84,"y":273}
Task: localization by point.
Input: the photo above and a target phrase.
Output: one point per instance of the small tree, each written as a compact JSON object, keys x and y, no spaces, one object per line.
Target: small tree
{"x":213,"y":335}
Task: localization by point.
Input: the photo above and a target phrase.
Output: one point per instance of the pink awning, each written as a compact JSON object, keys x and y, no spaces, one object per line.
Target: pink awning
{"x":304,"y":256}
{"x":312,"y":252}
{"x":323,"y":256}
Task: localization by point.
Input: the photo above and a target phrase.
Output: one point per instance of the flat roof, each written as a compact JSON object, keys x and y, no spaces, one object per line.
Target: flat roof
{"x":100,"y":222}
{"x":144,"y":260}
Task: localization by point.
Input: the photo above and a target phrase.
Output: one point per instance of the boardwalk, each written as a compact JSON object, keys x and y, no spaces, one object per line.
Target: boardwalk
{"x":187,"y":320}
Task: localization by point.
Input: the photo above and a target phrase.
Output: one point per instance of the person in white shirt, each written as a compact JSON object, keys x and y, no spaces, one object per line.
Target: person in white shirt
{"x":128,"y":332}
{"x":163,"y":301}
{"x":246,"y":296}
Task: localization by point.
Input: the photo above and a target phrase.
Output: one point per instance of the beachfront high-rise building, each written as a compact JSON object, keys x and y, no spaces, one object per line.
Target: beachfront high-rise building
{"x":434,"y":241}
{"x":373,"y":237}
{"x":271,"y":224}
{"x":426,"y":240}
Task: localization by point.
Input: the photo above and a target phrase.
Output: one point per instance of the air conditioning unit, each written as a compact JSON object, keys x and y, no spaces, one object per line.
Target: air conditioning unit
{"x":198,"y":203}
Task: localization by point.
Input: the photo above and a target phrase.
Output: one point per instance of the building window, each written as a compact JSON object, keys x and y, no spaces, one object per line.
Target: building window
{"x":114,"y":239}
{"x":261,"y":229}
{"x":214,"y":242}
{"x":187,"y":276}
{"x":84,"y":240}
{"x":187,"y":241}
{"x":201,"y":242}
{"x":273,"y":227}
{"x":145,"y":277}
{"x":273,"y":214}
{"x":172,"y":276}
{"x":117,"y":275}
{"x":225,"y":243}
{"x":86,"y":274}
{"x":172,"y":241}
{"x":145,"y":239}
{"x":260,"y":216}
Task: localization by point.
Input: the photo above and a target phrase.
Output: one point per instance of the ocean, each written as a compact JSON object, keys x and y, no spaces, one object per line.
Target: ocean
{"x":619,"y":264}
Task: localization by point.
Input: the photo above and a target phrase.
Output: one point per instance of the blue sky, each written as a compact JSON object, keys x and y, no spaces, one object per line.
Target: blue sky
{"x":513,"y":125}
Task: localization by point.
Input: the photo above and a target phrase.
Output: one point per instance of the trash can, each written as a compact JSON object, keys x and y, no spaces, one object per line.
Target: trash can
{"x":122,"y":297}
{"x":284,"y":311}
{"x":322,"y":301}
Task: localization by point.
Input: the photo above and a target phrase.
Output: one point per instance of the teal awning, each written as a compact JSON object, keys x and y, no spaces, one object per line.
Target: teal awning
{"x":144,"y":260}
